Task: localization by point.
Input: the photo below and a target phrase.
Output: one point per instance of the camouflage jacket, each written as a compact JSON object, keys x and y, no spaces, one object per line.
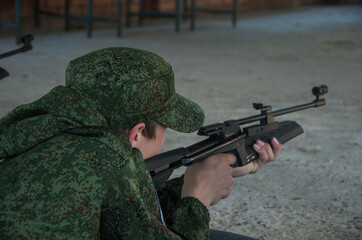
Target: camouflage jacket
{"x":66,"y":175}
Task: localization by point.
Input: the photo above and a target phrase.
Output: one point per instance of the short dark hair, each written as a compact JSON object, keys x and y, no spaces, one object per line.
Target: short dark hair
{"x":150,"y":129}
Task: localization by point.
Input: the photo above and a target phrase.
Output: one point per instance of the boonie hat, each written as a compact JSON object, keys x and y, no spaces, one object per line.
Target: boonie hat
{"x":129,"y":86}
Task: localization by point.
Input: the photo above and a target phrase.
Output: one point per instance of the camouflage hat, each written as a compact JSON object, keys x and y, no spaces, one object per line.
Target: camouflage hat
{"x":129,"y":86}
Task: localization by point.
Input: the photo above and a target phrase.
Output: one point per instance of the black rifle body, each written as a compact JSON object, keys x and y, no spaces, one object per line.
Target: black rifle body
{"x":26,"y":40}
{"x":228,"y":137}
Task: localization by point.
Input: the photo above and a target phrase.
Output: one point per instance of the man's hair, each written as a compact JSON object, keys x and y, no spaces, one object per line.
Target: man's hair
{"x":150,"y":129}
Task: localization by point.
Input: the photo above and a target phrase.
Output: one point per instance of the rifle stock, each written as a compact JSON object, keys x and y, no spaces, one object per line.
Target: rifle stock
{"x":227,"y":137}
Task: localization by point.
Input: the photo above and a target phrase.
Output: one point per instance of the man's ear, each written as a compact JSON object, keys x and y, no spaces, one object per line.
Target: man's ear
{"x":135,"y":134}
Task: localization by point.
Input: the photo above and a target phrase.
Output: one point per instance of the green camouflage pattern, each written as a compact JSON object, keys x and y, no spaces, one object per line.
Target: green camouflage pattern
{"x":66,"y":172}
{"x":135,"y":84}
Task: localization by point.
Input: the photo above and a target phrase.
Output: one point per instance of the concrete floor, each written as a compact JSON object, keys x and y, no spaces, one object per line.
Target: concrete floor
{"x":314,"y":189}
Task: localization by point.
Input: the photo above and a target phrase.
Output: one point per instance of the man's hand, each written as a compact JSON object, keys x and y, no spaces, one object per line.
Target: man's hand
{"x":209,"y":180}
{"x":266,"y":153}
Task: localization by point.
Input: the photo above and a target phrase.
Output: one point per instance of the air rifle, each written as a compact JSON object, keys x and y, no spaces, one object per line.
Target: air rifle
{"x":26,"y":40}
{"x":228,"y":137}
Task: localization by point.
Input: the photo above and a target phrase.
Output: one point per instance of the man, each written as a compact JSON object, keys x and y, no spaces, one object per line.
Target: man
{"x":73,"y":161}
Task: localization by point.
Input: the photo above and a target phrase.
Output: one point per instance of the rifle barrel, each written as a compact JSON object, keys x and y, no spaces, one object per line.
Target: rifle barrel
{"x":299,"y":107}
{"x":282,"y":111}
{"x":13,"y":52}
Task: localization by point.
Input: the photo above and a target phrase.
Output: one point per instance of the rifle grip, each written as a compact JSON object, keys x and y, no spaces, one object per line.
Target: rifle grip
{"x":284,"y":131}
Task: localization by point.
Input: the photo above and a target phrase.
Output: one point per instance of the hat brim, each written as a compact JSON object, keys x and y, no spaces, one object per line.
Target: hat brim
{"x":186,"y":116}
